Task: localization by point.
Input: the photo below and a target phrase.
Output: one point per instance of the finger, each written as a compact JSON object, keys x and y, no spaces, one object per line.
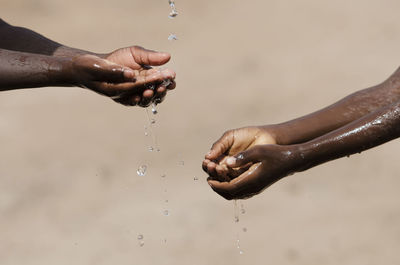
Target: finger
{"x":149,"y":57}
{"x":244,"y":186}
{"x":172,"y":85}
{"x":136,"y":99}
{"x":148,"y":94}
{"x":253,"y":155}
{"x":146,"y":99}
{"x":152,"y":76}
{"x":222,"y":173}
{"x":204,"y":165}
{"x":221,"y":146}
{"x":104,"y":70}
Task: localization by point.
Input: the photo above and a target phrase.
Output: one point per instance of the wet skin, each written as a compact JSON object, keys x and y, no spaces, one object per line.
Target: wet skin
{"x":243,"y":162}
{"x":29,"y":60}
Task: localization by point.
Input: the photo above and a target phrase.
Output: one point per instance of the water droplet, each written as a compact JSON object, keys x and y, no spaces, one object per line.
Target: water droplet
{"x":152,"y":121}
{"x":244,"y":229}
{"x":163,"y":176}
{"x":181,"y":163}
{"x":195,"y":178}
{"x":165,"y":241}
{"x":154,"y":108}
{"x":172,"y":37}
{"x":240,"y":157}
{"x":166,"y":201}
{"x":242,"y":210}
{"x":141,"y":243}
{"x":141,"y":171}
{"x":166,"y":212}
{"x":173,"y":14}
{"x":146,"y":133}
{"x":236,"y":219}
{"x":241,"y":252}
{"x":140,"y":237}
{"x":151,"y":148}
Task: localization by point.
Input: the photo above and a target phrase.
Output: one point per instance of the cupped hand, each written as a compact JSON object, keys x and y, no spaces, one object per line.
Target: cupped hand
{"x":231,"y":143}
{"x":126,"y":75}
{"x":263,"y":165}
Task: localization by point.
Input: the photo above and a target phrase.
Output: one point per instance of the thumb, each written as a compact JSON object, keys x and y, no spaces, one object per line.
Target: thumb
{"x":143,"y":56}
{"x":253,"y":155}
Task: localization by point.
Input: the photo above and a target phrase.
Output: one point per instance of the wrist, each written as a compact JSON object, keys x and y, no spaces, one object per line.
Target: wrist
{"x":278,"y":133}
{"x":61,"y":72}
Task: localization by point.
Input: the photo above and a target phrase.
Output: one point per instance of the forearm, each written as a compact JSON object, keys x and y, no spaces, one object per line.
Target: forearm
{"x":25,"y":40}
{"x":26,"y":70}
{"x":372,"y":130}
{"x":339,"y":114}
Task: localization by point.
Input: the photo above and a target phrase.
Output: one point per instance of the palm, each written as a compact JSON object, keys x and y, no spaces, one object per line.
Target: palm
{"x":137,"y":58}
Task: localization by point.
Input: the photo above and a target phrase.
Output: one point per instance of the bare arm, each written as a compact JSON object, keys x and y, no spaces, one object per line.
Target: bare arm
{"x":25,"y":40}
{"x":339,"y":114}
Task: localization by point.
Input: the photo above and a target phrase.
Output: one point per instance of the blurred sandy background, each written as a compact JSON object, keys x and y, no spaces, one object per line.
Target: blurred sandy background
{"x":69,"y":192}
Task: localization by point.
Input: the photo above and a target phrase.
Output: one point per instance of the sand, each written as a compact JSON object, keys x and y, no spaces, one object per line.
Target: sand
{"x":69,"y":192}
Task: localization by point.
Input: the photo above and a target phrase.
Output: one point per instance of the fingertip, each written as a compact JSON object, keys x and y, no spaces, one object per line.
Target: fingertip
{"x":231,"y":161}
{"x":129,"y":74}
{"x":172,"y":86}
{"x":148,"y":93}
{"x":210,"y":155}
{"x":168,"y":74}
{"x":161,"y":89}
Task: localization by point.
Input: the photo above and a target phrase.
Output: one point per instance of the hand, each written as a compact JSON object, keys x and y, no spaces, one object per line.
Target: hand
{"x":125,"y":75}
{"x":231,"y":143}
{"x":263,"y":165}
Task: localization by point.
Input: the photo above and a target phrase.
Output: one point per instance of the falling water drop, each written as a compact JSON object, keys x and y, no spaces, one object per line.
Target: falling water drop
{"x":141,"y":171}
{"x":166,"y":212}
{"x":172,"y":37}
{"x":154,"y":108}
{"x":141,"y":241}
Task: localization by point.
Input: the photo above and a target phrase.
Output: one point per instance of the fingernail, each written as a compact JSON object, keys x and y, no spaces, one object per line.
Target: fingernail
{"x":231,"y":161}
